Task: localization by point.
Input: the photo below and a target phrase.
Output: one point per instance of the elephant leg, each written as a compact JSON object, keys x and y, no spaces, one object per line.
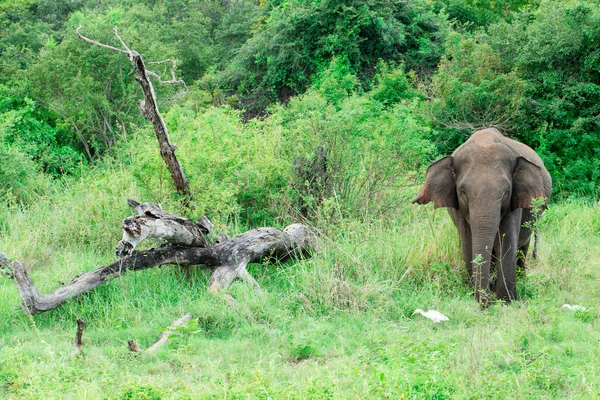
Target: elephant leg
{"x":494,"y":264}
{"x":507,"y":256}
{"x":464,"y":231}
{"x":524,"y":237}
{"x":522,"y":253}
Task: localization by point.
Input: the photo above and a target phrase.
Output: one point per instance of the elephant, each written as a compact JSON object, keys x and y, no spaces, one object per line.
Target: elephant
{"x":488,"y":184}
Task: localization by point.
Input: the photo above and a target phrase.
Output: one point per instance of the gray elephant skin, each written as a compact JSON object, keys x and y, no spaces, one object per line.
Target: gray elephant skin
{"x":488,"y":184}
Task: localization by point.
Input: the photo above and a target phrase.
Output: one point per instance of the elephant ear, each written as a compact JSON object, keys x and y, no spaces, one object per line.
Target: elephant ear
{"x":440,"y":185}
{"x":527,"y":184}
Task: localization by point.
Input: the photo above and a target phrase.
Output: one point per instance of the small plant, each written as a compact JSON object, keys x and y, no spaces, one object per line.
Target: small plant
{"x":5,"y":271}
{"x":141,"y":392}
{"x":478,"y":260}
{"x":303,"y":352}
{"x":186,"y":331}
{"x":584,"y":315}
{"x":537,"y":206}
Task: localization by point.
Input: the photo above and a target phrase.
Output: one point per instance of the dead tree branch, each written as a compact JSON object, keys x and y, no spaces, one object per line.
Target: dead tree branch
{"x":227,"y":259}
{"x":165,"y":335}
{"x":80,"y":36}
{"x":153,"y":222}
{"x":149,"y":108}
{"x":174,"y":79}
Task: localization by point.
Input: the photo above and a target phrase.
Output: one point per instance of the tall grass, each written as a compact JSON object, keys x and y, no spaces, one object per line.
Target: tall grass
{"x":357,"y":339}
{"x":338,"y":323}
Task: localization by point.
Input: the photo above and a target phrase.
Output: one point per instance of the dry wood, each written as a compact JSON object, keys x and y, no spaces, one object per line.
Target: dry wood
{"x":152,"y":221}
{"x":79,"y":334}
{"x":133,"y":347}
{"x":165,"y":335}
{"x":149,"y":109}
{"x":228,"y":260}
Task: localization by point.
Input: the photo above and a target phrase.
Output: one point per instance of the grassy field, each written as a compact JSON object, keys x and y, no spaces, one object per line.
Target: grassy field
{"x":322,"y":112}
{"x":357,"y":338}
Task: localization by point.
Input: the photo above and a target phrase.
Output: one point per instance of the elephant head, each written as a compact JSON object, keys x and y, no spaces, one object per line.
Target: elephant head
{"x":485,"y":183}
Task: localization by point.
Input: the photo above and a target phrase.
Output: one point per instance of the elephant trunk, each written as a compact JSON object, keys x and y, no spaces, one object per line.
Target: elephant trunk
{"x":484,"y":231}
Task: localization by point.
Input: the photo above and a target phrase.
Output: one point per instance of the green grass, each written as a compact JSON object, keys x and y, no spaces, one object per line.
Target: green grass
{"x":358,"y":339}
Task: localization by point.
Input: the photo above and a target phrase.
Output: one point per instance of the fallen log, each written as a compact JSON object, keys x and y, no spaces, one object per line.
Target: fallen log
{"x":227,"y":259}
{"x":152,"y":221}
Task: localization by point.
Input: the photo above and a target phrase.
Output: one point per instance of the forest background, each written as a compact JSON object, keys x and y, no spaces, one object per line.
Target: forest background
{"x":325,"y":112}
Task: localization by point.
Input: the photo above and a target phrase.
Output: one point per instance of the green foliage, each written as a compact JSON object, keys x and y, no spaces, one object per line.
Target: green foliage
{"x":29,"y":128}
{"x":141,"y":392}
{"x":556,"y":51}
{"x":89,"y":87}
{"x":391,"y":85}
{"x":235,"y":170}
{"x":472,"y":14}
{"x":299,"y":39}
{"x":337,"y":82}
{"x":528,"y":67}
{"x":20,"y":180}
{"x":24,"y":28}
{"x":91,"y":90}
{"x":27,"y":147}
{"x":536,"y":78}
{"x":471,"y":90}
{"x":303,"y":352}
{"x":350,"y":156}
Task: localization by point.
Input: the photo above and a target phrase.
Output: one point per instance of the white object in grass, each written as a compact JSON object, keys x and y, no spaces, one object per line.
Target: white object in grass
{"x":433,"y":315}
{"x":574,"y":307}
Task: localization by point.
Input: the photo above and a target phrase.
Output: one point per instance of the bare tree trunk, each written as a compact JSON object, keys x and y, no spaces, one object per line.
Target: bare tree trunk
{"x":149,"y":109}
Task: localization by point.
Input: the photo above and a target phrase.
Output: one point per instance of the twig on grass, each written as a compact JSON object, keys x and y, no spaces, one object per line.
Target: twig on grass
{"x":535,"y":358}
{"x":164,"y":337}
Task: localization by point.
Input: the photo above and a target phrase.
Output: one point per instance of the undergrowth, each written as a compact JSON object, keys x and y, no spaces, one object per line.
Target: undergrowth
{"x":338,"y":323}
{"x":354,"y":336}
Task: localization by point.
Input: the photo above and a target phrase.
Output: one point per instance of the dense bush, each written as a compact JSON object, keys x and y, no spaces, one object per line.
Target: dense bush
{"x":236,"y":171}
{"x":90,"y":89}
{"x":538,"y":78}
{"x":473,"y":14}
{"x":558,"y":52}
{"x":299,"y":39}
{"x":382,"y":81}
{"x":351,"y":157}
{"x":30,"y":128}
{"x":471,"y":90}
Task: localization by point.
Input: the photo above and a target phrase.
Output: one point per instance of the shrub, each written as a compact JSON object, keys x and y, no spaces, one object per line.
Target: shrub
{"x":350,"y":159}
{"x":299,"y":39}
{"x":471,"y":90}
